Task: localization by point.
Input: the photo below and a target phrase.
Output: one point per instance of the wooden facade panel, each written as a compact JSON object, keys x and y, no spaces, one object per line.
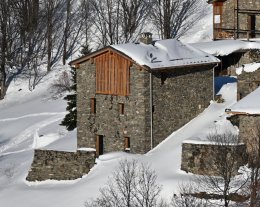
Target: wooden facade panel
{"x":112,"y":74}
{"x":217,"y":18}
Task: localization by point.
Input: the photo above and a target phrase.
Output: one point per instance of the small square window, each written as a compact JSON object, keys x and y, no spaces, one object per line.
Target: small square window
{"x":93,"y":105}
{"x":121,"y":108}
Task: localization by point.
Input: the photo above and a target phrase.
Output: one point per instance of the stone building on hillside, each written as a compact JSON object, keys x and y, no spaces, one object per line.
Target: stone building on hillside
{"x":132,"y":96}
{"x":236,"y":19}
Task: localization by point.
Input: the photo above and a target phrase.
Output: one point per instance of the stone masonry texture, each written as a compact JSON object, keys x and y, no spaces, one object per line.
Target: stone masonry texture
{"x":178,"y":96}
{"x":249,"y":127}
{"x":58,"y":165}
{"x":229,"y":19}
{"x":199,"y":158}
{"x":247,"y":82}
{"x":236,"y":60}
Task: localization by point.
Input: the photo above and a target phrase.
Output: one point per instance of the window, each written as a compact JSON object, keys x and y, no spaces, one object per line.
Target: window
{"x":127,"y":143}
{"x":112,"y":74}
{"x":251,"y":25}
{"x":121,"y":108}
{"x":93,"y":105}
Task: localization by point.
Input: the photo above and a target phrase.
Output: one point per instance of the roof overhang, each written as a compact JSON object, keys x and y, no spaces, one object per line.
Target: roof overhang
{"x":228,"y":111}
{"x":213,"y":1}
{"x":183,"y":66}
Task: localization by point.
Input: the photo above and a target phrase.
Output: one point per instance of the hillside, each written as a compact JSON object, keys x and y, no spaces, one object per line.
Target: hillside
{"x":30,"y":119}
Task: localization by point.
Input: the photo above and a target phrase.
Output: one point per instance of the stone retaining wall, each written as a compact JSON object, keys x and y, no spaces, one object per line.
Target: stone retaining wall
{"x":199,"y":158}
{"x":247,"y":82}
{"x":59,"y":165}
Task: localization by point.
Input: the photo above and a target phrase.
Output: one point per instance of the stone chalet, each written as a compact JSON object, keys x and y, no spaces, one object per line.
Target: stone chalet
{"x":236,"y":19}
{"x":130,"y":97}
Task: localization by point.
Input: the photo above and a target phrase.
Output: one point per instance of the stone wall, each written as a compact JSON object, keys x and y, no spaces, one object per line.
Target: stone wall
{"x":199,"y":158}
{"x":247,"y":83}
{"x":107,"y":120}
{"x":58,"y":165}
{"x":229,"y":19}
{"x":179,"y":96}
{"x":236,"y":60}
{"x":249,"y":127}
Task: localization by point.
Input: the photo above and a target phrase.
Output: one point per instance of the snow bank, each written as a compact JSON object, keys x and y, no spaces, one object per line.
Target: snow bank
{"x":226,"y":47}
{"x":248,"y":105}
{"x":252,"y":67}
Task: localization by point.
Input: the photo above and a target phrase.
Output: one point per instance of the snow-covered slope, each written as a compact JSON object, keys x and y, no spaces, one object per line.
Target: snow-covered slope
{"x":31,"y":119}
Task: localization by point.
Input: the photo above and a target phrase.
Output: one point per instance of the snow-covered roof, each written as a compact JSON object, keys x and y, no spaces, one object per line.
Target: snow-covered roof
{"x":248,"y":105}
{"x":226,"y":47}
{"x":165,"y":54}
{"x":251,"y":67}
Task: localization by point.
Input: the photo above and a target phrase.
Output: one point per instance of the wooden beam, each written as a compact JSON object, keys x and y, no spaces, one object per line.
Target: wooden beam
{"x":241,"y":113}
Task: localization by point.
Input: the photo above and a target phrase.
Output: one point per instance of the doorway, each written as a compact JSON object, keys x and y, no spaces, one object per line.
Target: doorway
{"x":251,"y":19}
{"x":99,"y":145}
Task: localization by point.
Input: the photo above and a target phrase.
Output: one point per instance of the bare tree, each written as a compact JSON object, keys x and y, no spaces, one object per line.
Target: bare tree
{"x":87,"y":17}
{"x":225,"y":162}
{"x":73,"y":28}
{"x":173,"y":18}
{"x":133,"y":15}
{"x":107,"y":21}
{"x":66,"y":30}
{"x":187,"y":198}
{"x":4,"y":10}
{"x":132,"y":184}
{"x":119,"y":21}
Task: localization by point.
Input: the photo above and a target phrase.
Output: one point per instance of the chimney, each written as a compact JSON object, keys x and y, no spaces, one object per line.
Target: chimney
{"x":146,"y":38}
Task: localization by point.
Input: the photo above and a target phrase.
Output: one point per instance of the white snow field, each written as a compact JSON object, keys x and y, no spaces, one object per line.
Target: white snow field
{"x":30,"y":120}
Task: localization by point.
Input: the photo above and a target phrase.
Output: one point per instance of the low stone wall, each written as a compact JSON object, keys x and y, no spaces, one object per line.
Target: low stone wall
{"x":59,"y":165}
{"x":200,"y":158}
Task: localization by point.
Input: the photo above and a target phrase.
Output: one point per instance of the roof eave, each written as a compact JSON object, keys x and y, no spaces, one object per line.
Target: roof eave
{"x":183,"y":66}
{"x":242,"y":113}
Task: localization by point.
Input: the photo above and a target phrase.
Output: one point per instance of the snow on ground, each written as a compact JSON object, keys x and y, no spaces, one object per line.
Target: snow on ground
{"x":202,"y":31}
{"x":250,"y":104}
{"x":35,"y":123}
{"x":30,"y":119}
{"x":252,"y":67}
{"x":226,"y":47}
